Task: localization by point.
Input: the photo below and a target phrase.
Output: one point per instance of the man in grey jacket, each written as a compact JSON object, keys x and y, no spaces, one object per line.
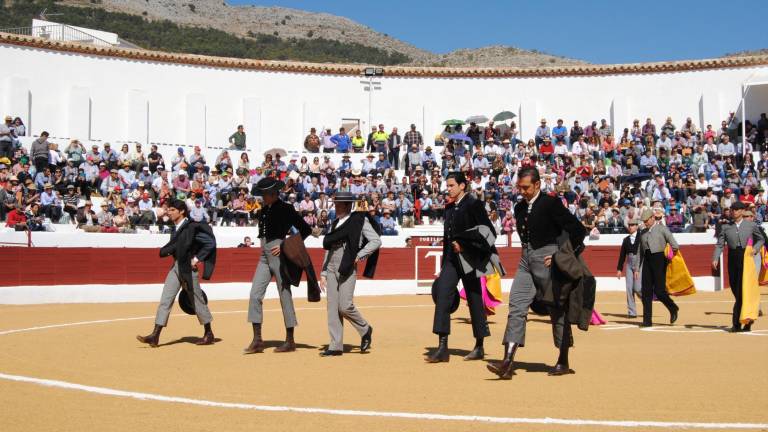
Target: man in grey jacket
{"x":653,"y":240}
{"x":352,"y":239}
{"x":39,"y":150}
{"x":736,"y":235}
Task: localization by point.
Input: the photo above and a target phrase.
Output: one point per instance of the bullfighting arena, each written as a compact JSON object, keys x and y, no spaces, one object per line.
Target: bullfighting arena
{"x":79,"y":367}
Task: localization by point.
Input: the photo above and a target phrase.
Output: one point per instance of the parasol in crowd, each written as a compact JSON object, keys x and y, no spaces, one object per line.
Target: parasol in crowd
{"x":477,"y":119}
{"x":276,"y":151}
{"x":453,"y":122}
{"x":504,"y":115}
{"x":460,"y":137}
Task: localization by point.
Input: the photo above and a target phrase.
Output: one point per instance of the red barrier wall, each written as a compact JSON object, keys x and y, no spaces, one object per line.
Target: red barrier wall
{"x":82,"y":266}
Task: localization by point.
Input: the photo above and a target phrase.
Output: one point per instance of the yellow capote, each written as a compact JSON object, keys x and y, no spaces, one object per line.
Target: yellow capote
{"x":750,"y":289}
{"x":679,"y":280}
{"x":493,"y":286}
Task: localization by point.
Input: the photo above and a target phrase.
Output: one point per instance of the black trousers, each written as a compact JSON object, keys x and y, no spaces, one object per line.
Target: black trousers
{"x":394,"y":158}
{"x":735,"y":274}
{"x":445,"y":295}
{"x":654,"y":281}
{"x":40,"y":163}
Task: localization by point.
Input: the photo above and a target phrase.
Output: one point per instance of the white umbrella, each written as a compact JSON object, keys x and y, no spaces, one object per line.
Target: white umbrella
{"x":276,"y":151}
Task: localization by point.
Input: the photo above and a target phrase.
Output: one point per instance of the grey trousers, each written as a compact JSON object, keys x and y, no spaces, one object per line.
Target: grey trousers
{"x":340,"y":291}
{"x":531,"y":272}
{"x":171,"y":289}
{"x":633,"y":284}
{"x":269,"y":266}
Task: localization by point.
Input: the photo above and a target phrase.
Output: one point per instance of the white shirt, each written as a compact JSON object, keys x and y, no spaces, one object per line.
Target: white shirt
{"x":530,"y":204}
{"x":341,"y":221}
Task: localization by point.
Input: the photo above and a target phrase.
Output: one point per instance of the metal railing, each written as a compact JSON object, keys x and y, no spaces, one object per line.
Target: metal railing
{"x":58,"y":32}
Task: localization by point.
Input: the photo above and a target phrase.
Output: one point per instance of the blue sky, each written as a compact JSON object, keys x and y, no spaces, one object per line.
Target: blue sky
{"x":601,"y":31}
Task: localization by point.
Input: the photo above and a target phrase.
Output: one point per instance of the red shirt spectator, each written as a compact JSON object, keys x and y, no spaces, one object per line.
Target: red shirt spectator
{"x":16,"y":217}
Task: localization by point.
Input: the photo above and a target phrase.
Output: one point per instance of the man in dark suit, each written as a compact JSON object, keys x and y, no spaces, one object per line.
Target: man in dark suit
{"x":540,"y":219}
{"x":736,"y":235}
{"x":468,"y":254}
{"x":191,"y":243}
{"x":275,"y":222}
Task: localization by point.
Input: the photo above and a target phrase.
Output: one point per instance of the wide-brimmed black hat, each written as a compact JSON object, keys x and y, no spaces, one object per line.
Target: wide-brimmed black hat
{"x":738,"y":205}
{"x":345,"y":197}
{"x":269,"y":184}
{"x":185,"y":302}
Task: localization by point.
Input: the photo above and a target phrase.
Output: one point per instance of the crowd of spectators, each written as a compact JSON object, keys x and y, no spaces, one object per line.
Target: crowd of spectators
{"x":692,"y":176}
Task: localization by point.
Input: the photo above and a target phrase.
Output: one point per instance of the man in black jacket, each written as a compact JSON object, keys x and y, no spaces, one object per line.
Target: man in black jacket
{"x":463,"y":259}
{"x":540,"y":219}
{"x":627,"y":258}
{"x":191,"y":243}
{"x":275,"y":222}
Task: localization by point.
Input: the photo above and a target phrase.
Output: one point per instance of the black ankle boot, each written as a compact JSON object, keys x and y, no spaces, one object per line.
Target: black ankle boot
{"x":441,"y":353}
{"x":506,"y":368}
{"x":478,"y":353}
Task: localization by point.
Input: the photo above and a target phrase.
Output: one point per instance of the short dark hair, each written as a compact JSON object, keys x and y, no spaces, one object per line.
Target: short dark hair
{"x":531,"y":172}
{"x":458,"y":177}
{"x":180,"y":206}
{"x":44,"y":134}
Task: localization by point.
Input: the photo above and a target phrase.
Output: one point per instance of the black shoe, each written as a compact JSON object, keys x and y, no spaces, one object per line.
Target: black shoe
{"x":646,"y":324}
{"x":673,"y":315}
{"x":747,"y":328}
{"x":365,"y":342}
{"x":330,"y":353}
{"x":560,"y":369}
{"x":734,"y":329}
{"x":477,"y":354}
{"x":441,"y":353}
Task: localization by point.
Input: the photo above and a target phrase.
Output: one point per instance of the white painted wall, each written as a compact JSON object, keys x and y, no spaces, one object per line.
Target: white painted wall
{"x":56,"y":32}
{"x":180,"y":104}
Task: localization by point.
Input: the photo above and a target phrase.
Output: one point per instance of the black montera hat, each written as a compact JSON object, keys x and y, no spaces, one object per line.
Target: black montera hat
{"x":345,"y":197}
{"x":185,"y":302}
{"x":269,"y":184}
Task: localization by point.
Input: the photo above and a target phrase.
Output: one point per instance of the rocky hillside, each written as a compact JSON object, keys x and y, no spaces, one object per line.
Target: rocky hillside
{"x":250,"y":21}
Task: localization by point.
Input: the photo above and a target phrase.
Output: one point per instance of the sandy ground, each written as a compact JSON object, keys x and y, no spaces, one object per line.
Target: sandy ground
{"x":690,"y":372}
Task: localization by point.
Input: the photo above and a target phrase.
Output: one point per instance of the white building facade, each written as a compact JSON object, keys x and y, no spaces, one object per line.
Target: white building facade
{"x":90,"y":93}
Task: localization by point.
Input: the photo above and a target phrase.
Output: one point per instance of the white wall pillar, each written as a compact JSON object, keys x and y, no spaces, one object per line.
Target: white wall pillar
{"x":137,"y":117}
{"x":530,"y":114}
{"x":710,"y":109}
{"x":79,"y":113}
{"x":18,"y":100}
{"x":195,"y":120}
{"x":620,"y":115}
{"x":252,"y":123}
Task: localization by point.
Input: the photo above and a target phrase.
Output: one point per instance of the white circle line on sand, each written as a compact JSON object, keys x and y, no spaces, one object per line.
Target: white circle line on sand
{"x":107,"y":321}
{"x":384,"y":414}
{"x":340,"y":412}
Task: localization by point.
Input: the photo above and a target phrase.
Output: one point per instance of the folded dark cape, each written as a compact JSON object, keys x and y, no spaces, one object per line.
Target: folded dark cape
{"x":294,"y":259}
{"x":350,"y":233}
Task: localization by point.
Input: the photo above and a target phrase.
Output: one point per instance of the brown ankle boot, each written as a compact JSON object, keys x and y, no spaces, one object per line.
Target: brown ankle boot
{"x":153,"y":338}
{"x":257,"y":344}
{"x":506,"y":368}
{"x":207,"y":339}
{"x":289,"y":345}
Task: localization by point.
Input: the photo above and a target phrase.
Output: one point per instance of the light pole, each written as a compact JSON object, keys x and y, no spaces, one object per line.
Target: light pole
{"x":370,"y":86}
